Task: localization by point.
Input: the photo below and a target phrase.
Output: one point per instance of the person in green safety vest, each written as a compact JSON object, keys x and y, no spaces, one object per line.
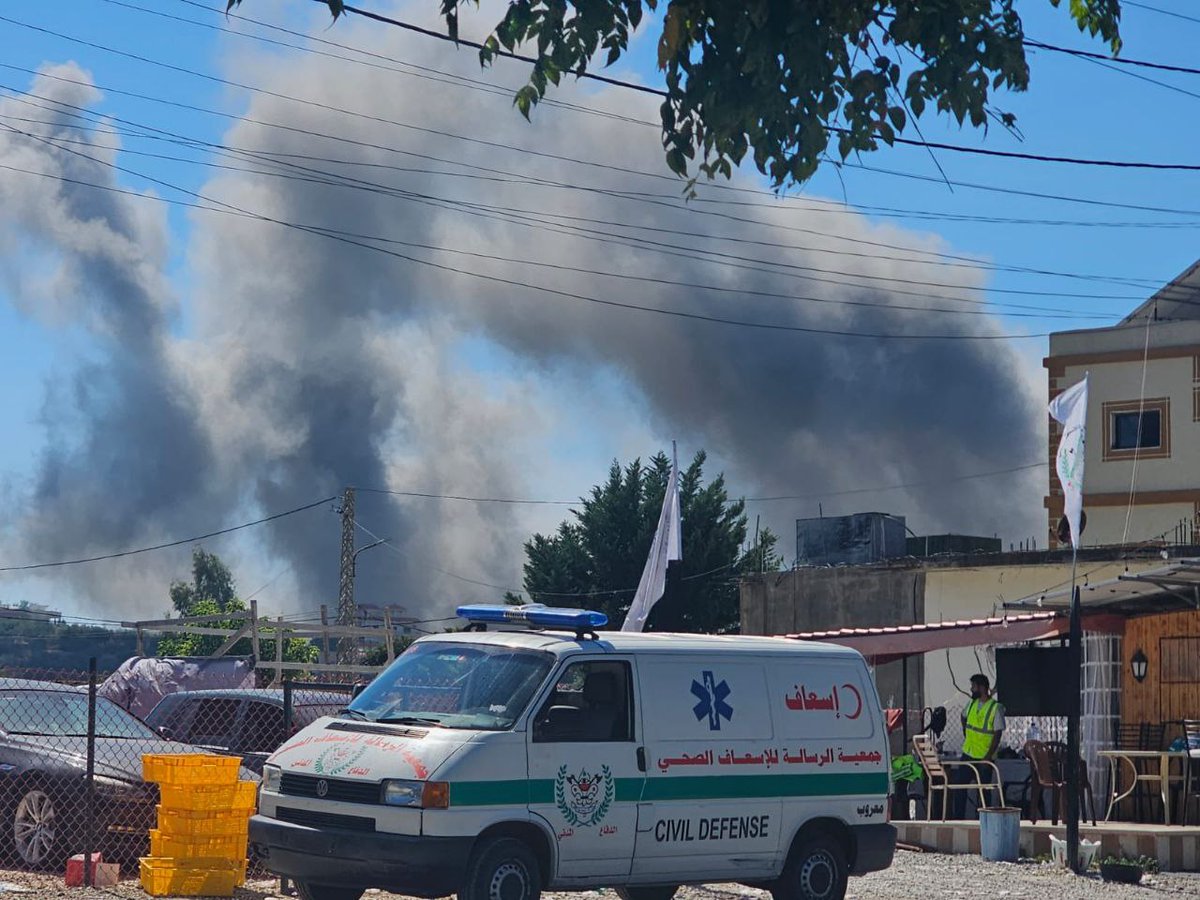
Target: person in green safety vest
{"x":983,"y":726}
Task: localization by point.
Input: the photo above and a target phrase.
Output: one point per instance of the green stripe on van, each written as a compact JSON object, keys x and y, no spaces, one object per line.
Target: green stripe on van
{"x":703,"y":787}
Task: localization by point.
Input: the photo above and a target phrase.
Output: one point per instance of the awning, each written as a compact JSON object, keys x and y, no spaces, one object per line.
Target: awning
{"x":1171,"y":588}
{"x":885,"y":644}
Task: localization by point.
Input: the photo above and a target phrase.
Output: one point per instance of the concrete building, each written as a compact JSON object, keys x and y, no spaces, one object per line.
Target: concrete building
{"x":1147,"y":364}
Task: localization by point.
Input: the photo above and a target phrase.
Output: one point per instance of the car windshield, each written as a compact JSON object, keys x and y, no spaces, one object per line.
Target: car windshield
{"x":65,"y":714}
{"x":478,"y":686}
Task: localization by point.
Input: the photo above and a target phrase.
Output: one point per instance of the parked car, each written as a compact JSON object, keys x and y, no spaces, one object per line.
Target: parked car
{"x":245,"y":721}
{"x":43,"y":765}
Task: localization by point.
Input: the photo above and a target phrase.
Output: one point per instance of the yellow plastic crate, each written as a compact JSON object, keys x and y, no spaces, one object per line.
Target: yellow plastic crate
{"x":191,"y":823}
{"x":168,"y":845}
{"x":190,"y":768}
{"x":240,"y":797}
{"x":195,"y":878}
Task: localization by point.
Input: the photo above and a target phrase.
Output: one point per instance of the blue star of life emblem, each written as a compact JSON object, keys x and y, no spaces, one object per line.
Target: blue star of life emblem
{"x":712,"y":705}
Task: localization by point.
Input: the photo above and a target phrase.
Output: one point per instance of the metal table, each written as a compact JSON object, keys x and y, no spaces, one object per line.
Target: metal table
{"x":1163,"y":777}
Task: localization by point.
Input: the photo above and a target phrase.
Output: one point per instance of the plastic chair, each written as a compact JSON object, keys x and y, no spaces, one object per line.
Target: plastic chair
{"x":937,"y":776}
{"x":1056,"y":753}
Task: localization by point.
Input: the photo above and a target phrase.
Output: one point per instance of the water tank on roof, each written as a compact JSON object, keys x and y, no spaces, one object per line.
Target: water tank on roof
{"x":857,"y":539}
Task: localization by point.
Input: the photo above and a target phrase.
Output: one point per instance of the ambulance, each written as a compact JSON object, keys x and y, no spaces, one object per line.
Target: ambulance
{"x":496,"y":763}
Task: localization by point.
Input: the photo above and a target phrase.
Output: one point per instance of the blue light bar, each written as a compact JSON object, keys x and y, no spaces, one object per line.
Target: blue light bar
{"x":534,"y":614}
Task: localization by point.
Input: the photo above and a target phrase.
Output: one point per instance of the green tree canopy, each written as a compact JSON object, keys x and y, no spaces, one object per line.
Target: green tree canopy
{"x":211,"y":592}
{"x":784,"y":81}
{"x":596,"y":558}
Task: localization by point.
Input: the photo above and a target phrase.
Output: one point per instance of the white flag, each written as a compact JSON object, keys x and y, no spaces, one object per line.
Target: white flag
{"x":1070,"y":409}
{"x":666,"y":546}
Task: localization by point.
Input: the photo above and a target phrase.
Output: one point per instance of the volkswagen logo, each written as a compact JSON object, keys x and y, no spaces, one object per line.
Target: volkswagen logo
{"x":322,"y":788}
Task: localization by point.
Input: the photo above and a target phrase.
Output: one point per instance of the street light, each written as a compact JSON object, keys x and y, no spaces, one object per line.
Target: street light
{"x":354,"y":556}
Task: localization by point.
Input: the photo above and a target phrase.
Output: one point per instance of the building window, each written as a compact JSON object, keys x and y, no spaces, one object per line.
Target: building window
{"x":1128,"y":433}
{"x":1137,"y":428}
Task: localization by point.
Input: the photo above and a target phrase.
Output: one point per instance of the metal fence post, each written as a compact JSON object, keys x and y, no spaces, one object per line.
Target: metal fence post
{"x":89,"y":872}
{"x":287,"y":707}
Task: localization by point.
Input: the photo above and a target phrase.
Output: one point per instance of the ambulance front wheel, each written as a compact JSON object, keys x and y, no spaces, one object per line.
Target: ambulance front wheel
{"x":664,"y":892}
{"x":816,"y":870}
{"x":502,"y":868}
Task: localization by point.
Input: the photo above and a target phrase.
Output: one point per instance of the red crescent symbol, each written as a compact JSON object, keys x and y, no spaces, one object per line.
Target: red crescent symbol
{"x":857,"y":696}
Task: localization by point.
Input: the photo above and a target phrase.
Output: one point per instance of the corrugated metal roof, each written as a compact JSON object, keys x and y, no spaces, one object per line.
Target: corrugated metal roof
{"x":956,"y":625}
{"x":890,"y":642}
{"x":1170,"y":588}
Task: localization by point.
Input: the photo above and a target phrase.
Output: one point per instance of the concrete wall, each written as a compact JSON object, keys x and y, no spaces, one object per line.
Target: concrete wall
{"x":823,"y":599}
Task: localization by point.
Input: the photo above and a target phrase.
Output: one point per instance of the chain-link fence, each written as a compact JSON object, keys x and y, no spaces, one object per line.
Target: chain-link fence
{"x":71,"y":777}
{"x":71,"y":773}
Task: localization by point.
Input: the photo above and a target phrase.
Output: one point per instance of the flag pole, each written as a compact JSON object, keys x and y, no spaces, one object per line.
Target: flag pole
{"x":1069,"y":408}
{"x":1074,"y":671}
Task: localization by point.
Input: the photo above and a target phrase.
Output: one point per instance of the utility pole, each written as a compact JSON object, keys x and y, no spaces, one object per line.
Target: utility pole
{"x":346,"y":584}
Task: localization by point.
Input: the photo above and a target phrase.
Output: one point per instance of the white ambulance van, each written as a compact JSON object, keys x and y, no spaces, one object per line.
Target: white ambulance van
{"x":493,"y":764}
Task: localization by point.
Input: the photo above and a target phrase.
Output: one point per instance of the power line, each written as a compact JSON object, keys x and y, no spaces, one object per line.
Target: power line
{"x":164,"y":546}
{"x":1119,"y":60}
{"x":988,"y":308}
{"x":536,"y":219}
{"x":942,"y":259}
{"x":612,"y":193}
{"x":543,"y":289}
{"x":876,"y":489}
{"x":935,"y":145}
{"x":1160,"y":11}
{"x":399,"y":67}
{"x":500,"y":500}
{"x":498,"y":51}
{"x":1006,"y":154}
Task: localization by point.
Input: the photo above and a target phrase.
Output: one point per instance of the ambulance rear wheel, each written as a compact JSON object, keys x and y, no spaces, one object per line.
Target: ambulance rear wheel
{"x":502,"y":868}
{"x":662,"y":892}
{"x":309,"y":891}
{"x":816,"y":870}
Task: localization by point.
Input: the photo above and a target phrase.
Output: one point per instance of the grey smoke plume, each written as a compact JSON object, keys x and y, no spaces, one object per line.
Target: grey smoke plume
{"x":312,"y":363}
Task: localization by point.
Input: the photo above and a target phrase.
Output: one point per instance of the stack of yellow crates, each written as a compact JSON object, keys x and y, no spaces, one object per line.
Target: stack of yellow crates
{"x":199,"y":848}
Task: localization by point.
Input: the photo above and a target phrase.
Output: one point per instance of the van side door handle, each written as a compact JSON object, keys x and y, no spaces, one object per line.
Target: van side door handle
{"x":641,"y":759}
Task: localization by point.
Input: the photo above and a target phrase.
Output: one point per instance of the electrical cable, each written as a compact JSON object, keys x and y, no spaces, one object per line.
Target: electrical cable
{"x":955,"y":148}
{"x":941,"y":259}
{"x":628,"y":85}
{"x":544,"y":289}
{"x":163,"y":546}
{"x":519,"y":216}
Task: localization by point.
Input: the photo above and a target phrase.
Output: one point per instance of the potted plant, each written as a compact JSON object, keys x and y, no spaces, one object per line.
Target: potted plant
{"x":1126,"y":870}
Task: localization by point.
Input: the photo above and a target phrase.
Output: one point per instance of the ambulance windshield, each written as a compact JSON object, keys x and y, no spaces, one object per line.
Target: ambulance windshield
{"x":475,"y":686}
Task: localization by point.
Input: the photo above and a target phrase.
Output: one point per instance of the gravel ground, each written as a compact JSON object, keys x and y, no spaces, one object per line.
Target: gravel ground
{"x":914,"y":875}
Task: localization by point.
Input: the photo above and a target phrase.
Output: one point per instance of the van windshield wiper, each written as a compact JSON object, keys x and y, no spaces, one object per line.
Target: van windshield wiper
{"x":407,"y":720}
{"x":353,"y":714}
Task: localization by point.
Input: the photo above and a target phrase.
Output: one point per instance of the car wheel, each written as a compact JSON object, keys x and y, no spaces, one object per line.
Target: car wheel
{"x":816,"y":870}
{"x":39,"y":829}
{"x":659,"y":892}
{"x":502,"y":868}
{"x":309,"y":891}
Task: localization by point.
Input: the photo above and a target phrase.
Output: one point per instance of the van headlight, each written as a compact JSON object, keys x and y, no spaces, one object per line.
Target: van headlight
{"x":272,"y":776}
{"x":402,"y":792}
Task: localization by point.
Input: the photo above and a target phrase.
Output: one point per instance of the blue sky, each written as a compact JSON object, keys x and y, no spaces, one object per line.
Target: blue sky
{"x":1074,"y":108}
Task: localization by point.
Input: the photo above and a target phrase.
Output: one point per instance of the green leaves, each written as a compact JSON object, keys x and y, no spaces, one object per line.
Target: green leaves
{"x":780,"y":80}
{"x":599,"y":554}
